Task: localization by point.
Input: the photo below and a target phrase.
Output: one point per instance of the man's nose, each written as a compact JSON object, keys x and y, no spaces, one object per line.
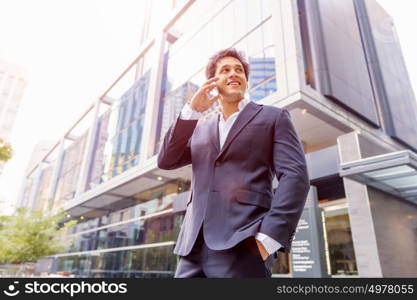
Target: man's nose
{"x":233,"y":73}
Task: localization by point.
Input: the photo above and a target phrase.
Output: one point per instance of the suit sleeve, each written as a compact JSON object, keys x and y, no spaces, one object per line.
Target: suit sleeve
{"x":175,"y":151}
{"x":291,"y":170}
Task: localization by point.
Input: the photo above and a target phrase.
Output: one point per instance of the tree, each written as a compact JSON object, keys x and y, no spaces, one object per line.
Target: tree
{"x":29,"y":235}
{"x":6,"y":151}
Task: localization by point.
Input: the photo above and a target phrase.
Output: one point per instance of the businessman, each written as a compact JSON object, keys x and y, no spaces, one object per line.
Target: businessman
{"x":234,"y":222}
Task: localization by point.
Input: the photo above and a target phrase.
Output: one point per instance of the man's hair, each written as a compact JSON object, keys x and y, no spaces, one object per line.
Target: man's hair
{"x":212,"y":64}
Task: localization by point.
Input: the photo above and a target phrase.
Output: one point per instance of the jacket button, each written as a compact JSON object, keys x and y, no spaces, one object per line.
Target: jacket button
{"x":217,"y":163}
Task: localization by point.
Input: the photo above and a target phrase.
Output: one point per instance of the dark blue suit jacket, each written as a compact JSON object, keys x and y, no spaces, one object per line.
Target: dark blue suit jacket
{"x":231,"y":188}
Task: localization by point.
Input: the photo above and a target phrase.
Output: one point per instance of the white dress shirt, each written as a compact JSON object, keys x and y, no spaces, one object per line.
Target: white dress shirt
{"x":187,"y":113}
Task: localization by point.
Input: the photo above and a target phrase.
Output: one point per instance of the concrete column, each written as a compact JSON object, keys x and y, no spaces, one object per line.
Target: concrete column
{"x":360,"y":215}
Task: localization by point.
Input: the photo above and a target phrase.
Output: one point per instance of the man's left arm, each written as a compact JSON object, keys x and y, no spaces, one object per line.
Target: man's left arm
{"x":290,"y":167}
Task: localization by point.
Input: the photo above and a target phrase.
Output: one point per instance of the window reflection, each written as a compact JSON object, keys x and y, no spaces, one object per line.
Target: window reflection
{"x":137,"y":224}
{"x":245,"y":25}
{"x":341,"y":254}
{"x":70,"y":169}
{"x":157,"y":229}
{"x":45,"y":179}
{"x":190,"y":52}
{"x":154,"y":262}
{"x":119,"y":134}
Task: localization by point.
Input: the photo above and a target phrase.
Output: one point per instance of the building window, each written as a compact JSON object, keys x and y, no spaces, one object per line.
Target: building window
{"x":198,"y":34}
{"x":340,"y":254}
{"x":305,"y":40}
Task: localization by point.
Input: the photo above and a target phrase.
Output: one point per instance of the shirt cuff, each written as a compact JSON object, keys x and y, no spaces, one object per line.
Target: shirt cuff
{"x":271,"y":245}
{"x":187,"y":113}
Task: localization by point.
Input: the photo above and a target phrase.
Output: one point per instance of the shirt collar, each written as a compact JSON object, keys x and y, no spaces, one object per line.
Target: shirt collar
{"x":240,"y":107}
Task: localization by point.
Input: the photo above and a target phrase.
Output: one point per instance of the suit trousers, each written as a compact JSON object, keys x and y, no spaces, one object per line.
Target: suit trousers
{"x":241,"y":261}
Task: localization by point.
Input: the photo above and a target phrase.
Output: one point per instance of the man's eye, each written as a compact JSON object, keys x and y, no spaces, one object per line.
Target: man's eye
{"x":225,"y":70}
{"x":239,"y":70}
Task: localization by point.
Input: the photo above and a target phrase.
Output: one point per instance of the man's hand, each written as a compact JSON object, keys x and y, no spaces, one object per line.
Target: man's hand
{"x":200,"y":101}
{"x":262,"y":250}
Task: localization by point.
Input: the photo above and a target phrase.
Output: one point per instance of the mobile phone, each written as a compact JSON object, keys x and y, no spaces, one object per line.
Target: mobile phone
{"x":214,"y":92}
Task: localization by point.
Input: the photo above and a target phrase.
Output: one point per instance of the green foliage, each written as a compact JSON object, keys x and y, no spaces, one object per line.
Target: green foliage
{"x":5,"y":151}
{"x":29,"y":235}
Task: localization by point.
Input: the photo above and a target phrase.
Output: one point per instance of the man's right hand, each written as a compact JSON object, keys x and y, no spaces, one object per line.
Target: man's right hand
{"x":201,"y":101}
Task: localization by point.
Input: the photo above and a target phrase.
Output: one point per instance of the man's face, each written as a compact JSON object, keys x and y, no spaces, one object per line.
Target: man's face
{"x":232,"y":81}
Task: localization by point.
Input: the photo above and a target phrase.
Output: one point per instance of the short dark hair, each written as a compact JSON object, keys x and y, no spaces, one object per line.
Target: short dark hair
{"x":212,"y":64}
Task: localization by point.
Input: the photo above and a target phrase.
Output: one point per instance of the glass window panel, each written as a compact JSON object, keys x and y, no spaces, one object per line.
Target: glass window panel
{"x":99,"y":154}
{"x":116,"y":151}
{"x":254,"y":16}
{"x":339,"y":241}
{"x":215,"y":29}
{"x":42,"y":197}
{"x":123,"y":84}
{"x":208,"y":40}
{"x":389,"y":172}
{"x":267,"y":7}
{"x":157,"y":229}
{"x":139,"y":126}
{"x":148,"y":61}
{"x":186,"y":65}
{"x":113,"y":121}
{"x":153,"y":262}
{"x":141,"y":91}
{"x":133,"y":107}
{"x":123,"y":146}
{"x":114,"y":142}
{"x":403,"y":182}
{"x":242,"y":45}
{"x":70,"y":168}
{"x":197,"y":15}
{"x":240,"y":9}
{"x":119,"y":111}
{"x":133,"y":133}
{"x":129,"y":108}
{"x":228,"y":32}
{"x":256,"y":44}
{"x":124,"y":116}
{"x":263,"y":90}
{"x":128,"y":143}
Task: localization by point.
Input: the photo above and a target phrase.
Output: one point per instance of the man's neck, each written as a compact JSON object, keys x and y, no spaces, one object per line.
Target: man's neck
{"x":229,"y":108}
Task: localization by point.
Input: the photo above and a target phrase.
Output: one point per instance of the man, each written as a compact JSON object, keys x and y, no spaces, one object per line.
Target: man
{"x":234,"y":223}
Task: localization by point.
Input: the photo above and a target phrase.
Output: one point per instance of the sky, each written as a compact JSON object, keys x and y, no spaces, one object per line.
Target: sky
{"x":74,"y":50}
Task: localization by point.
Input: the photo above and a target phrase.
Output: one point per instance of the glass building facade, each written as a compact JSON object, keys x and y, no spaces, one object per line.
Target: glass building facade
{"x":129,"y":212}
{"x":70,"y":170}
{"x":133,"y":242}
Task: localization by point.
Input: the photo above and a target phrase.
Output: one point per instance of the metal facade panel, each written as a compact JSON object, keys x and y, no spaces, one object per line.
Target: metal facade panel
{"x":340,"y":66}
{"x":398,"y":96}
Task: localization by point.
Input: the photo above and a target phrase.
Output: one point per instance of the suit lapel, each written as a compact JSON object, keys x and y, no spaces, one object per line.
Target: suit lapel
{"x":244,"y":117}
{"x":213,"y":132}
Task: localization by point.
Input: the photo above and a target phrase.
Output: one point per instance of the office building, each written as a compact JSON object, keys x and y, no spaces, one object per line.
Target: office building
{"x":13,"y":81}
{"x":335,"y":65}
